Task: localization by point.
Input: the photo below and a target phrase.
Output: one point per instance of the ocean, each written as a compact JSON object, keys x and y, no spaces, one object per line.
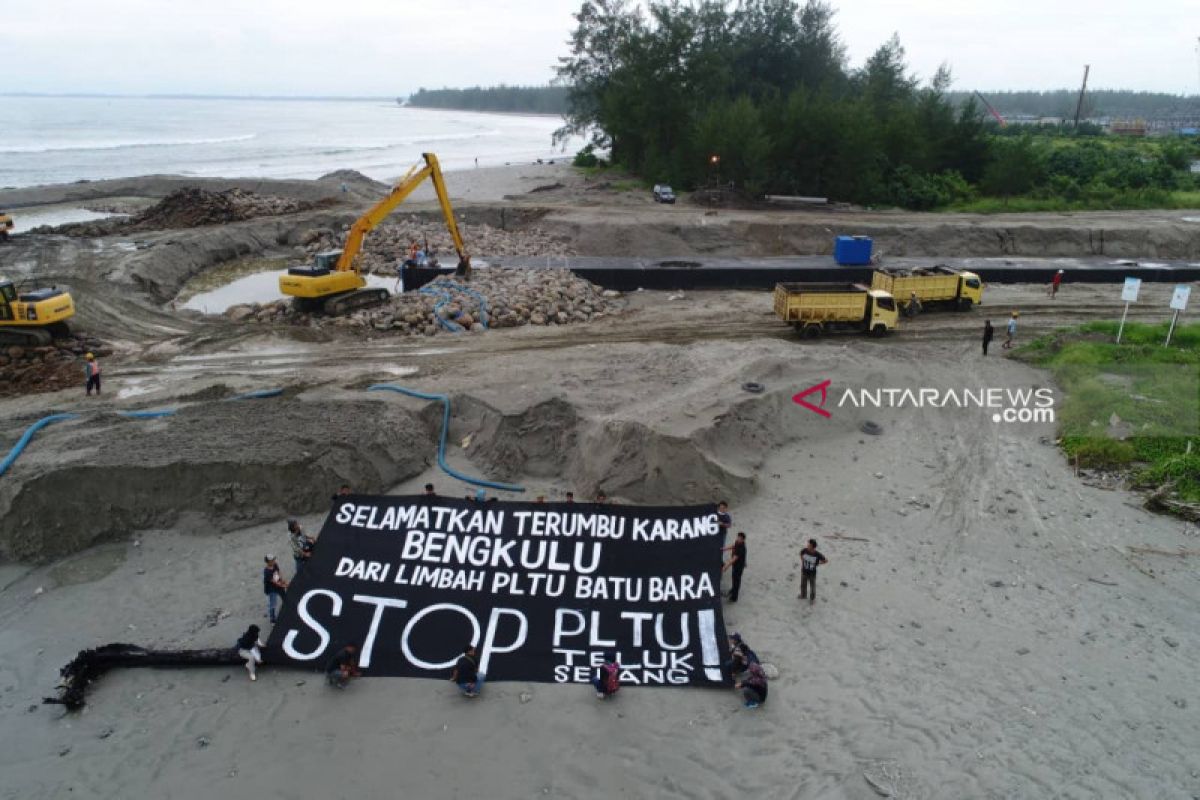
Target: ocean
{"x":65,"y":139}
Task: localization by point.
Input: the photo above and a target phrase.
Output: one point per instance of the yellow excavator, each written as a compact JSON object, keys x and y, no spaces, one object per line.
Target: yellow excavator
{"x":334,"y":284}
{"x":6,"y":225}
{"x":33,"y":318}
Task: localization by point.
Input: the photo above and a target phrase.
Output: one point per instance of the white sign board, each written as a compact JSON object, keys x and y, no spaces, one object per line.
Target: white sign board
{"x":1130,"y":292}
{"x":1180,"y":297}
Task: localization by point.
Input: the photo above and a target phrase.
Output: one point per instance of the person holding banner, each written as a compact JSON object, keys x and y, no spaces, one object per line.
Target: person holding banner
{"x":343,"y":667}
{"x":724,"y":521}
{"x":753,"y":685}
{"x":608,"y":682}
{"x":302,"y":544}
{"x":249,"y":647}
{"x":738,"y":562}
{"x":466,"y":673}
{"x":273,"y":585}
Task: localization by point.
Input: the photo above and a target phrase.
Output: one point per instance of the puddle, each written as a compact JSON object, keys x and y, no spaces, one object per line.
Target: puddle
{"x":261,"y":287}
{"x":135,"y":387}
{"x":1191,"y":219}
{"x":24,"y":220}
{"x":400,"y":372}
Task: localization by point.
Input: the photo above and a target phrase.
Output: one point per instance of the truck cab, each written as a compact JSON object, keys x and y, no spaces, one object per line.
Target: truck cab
{"x":882,"y":312}
{"x":972,"y":287}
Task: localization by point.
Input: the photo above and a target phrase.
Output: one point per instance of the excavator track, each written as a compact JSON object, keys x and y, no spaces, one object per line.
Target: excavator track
{"x":353,"y":301}
{"x":25,"y":337}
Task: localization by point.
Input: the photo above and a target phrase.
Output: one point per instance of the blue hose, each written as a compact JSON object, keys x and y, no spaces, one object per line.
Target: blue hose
{"x":29,"y":432}
{"x":478,"y":297}
{"x":446,"y":298}
{"x":445,"y":401}
{"x":168,"y":412}
{"x":257,"y":395}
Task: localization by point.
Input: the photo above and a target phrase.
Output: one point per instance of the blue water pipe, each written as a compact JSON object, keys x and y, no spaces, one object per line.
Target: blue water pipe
{"x":256,"y":395}
{"x":446,"y":299}
{"x":478,"y":297}
{"x":441,"y":454}
{"x":27,"y":435}
{"x":19,"y":447}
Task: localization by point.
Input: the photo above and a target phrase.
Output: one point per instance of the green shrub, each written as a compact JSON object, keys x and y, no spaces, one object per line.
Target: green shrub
{"x":1100,"y":453}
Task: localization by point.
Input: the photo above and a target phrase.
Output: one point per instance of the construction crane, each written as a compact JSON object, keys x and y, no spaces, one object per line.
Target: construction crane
{"x":991,"y":110}
{"x":1083,"y":88}
{"x":33,"y":318}
{"x":334,"y":283}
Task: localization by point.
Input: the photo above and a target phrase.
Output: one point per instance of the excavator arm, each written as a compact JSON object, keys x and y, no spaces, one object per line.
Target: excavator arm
{"x":403,"y":188}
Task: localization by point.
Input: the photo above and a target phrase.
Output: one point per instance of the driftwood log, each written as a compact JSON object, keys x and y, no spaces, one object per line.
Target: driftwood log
{"x":1159,"y":500}
{"x":89,"y":665}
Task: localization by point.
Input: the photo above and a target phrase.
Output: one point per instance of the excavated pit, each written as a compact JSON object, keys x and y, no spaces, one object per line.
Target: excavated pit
{"x":216,"y":466}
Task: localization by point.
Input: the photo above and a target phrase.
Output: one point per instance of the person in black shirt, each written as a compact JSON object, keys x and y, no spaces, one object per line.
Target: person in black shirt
{"x":738,"y":562}
{"x":249,"y":646}
{"x":810,"y":559}
{"x":344,"y":491}
{"x":429,"y":492}
{"x":988,"y":334}
{"x":273,"y":585}
{"x":466,"y":672}
{"x":724,"y":521}
{"x":342,"y":667}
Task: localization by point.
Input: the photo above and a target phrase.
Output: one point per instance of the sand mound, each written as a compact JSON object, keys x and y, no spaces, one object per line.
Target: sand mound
{"x":213,"y":466}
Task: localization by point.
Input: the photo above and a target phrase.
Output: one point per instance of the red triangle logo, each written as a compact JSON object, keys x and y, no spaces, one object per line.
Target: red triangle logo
{"x":821,"y":387}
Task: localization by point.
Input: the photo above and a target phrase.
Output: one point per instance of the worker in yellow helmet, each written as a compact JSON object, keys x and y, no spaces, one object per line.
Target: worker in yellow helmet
{"x":91,"y":371}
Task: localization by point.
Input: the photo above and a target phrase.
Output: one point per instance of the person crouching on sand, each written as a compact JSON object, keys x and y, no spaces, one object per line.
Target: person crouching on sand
{"x":466,"y":673}
{"x":249,"y":647}
{"x":753,"y":685}
{"x":608,"y":682}
{"x":343,"y":666}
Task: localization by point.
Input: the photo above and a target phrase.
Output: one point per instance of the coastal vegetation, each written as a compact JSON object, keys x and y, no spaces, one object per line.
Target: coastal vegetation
{"x":1134,"y":406}
{"x":504,"y":99}
{"x":761,"y":95}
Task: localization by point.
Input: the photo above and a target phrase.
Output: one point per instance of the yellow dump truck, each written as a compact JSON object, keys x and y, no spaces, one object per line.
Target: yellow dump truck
{"x":816,"y":308}
{"x":935,"y":287}
{"x":6,"y":225}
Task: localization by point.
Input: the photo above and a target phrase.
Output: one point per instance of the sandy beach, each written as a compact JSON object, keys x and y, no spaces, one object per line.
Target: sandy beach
{"x":989,"y":624}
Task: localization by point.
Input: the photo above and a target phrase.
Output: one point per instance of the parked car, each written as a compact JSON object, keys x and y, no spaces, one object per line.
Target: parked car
{"x":663,"y":193}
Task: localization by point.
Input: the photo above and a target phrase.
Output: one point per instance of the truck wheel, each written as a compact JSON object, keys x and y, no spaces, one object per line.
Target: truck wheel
{"x":811,"y":331}
{"x":878,"y":331}
{"x":964,"y":304}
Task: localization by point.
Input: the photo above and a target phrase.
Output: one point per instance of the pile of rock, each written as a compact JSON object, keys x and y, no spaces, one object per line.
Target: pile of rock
{"x":189,"y":207}
{"x":387,"y":246}
{"x":510,"y":298}
{"x":30,"y":370}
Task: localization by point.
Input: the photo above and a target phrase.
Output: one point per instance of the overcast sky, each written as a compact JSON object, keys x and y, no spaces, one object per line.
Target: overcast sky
{"x":393,"y":47}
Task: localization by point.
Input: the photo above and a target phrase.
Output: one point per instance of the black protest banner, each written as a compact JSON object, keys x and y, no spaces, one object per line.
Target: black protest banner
{"x":545,"y":590}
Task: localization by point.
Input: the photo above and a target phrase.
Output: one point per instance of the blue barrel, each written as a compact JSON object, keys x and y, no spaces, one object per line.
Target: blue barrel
{"x":852,"y":251}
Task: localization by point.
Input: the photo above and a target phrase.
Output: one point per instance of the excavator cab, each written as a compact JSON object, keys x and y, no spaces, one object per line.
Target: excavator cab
{"x":35,"y":317}
{"x":323,"y":264}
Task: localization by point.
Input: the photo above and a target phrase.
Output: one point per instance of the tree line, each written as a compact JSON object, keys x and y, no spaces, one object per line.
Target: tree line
{"x":1110,"y":103}
{"x":761,"y":94}
{"x":512,"y":99}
